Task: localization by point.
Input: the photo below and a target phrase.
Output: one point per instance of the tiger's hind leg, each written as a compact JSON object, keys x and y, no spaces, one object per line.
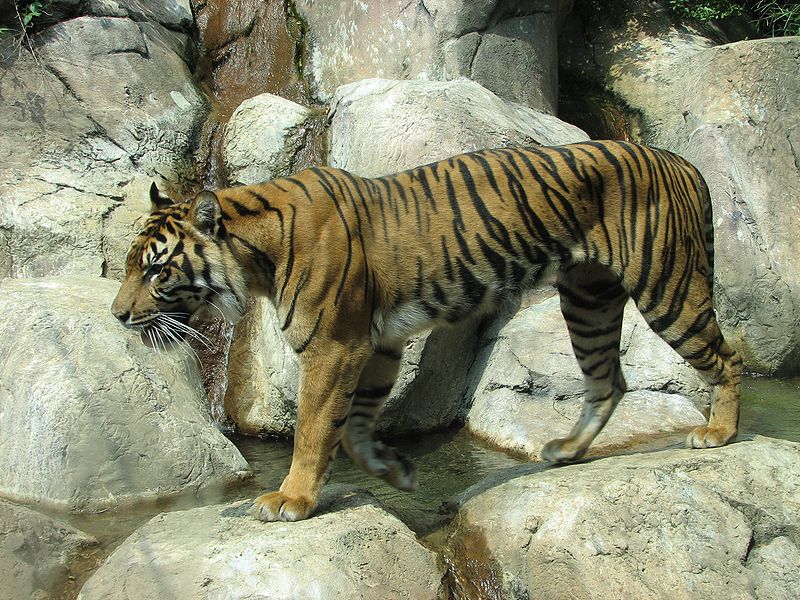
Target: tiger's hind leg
{"x":592,"y":302}
{"x":374,"y":386}
{"x":688,"y":323}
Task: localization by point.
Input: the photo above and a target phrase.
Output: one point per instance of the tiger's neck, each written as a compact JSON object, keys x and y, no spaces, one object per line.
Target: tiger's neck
{"x":254,"y":229}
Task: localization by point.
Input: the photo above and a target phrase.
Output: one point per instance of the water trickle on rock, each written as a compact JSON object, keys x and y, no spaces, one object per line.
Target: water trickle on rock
{"x":247,"y":48}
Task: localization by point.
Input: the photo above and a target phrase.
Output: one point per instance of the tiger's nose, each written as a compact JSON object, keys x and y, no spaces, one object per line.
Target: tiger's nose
{"x":122,"y":314}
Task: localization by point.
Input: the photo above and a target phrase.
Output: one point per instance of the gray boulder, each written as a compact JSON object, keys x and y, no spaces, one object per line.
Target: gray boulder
{"x":510,"y":48}
{"x":732,"y":109}
{"x":351,"y":549}
{"x":437,"y":120}
{"x":670,"y":524}
{"x":263,"y":138}
{"x":37,"y":554}
{"x":108,"y":422}
{"x":527,"y":388}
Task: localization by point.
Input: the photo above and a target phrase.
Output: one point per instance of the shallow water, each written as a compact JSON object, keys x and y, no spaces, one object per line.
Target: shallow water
{"x":770,"y":407}
{"x":447,"y":464}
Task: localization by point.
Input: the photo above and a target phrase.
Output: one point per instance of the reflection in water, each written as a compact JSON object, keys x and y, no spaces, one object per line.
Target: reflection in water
{"x":770,"y":407}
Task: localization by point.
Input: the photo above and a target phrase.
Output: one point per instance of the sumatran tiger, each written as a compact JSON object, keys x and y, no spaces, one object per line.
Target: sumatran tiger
{"x":356,"y":265}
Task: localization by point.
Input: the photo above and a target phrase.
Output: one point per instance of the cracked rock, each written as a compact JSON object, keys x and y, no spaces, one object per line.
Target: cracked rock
{"x":351,"y":40}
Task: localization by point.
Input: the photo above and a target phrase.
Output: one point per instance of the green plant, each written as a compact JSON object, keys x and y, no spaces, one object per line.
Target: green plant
{"x":30,"y":12}
{"x":777,"y":18}
{"x":707,"y":9}
{"x":770,"y":17}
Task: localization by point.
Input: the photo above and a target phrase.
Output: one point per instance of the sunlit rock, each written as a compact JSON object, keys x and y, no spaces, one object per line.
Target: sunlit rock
{"x":351,"y":549}
{"x":718,"y":523}
{"x":90,"y":418}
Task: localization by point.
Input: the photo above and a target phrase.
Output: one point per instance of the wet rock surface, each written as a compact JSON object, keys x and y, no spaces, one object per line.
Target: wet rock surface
{"x":37,"y":553}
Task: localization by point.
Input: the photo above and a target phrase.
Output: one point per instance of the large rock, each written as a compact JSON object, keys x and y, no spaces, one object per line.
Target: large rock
{"x":37,"y":553}
{"x":437,"y":120}
{"x":352,"y":549}
{"x":173,"y":14}
{"x":107,"y":421}
{"x":718,"y":524}
{"x":100,"y":102}
{"x":528,"y":388}
{"x":509,"y":48}
{"x":732,"y":109}
{"x":263,"y":138}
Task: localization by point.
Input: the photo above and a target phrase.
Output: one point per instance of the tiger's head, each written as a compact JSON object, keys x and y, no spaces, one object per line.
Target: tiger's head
{"x":178,"y":270}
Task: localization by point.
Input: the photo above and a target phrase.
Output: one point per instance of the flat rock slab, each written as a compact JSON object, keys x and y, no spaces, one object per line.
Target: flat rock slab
{"x":719,"y":523}
{"x":90,"y":418}
{"x":352,"y":549}
{"x":36,"y":553}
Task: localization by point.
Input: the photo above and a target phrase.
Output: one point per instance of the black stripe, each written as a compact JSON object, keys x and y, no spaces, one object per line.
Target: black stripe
{"x":301,"y":348}
{"x":290,"y":257}
{"x":375,"y":392}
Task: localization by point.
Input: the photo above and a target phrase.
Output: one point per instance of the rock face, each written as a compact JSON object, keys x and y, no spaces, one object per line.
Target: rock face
{"x":437,"y":120}
{"x":107,"y":421}
{"x":527,"y":388}
{"x":353,"y":549}
{"x":36,"y":553}
{"x":509,"y":48}
{"x":77,"y":136}
{"x":732,"y":110}
{"x":666,"y":524}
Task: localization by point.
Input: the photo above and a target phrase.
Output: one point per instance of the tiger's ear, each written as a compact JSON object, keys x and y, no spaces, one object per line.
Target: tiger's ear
{"x":205,"y":212}
{"x":157,"y":199}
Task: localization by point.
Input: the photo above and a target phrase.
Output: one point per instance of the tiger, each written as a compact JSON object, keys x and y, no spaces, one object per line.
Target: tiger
{"x":355,"y":266}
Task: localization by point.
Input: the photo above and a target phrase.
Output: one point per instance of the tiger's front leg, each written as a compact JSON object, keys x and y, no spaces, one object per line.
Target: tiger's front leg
{"x":327,"y":380}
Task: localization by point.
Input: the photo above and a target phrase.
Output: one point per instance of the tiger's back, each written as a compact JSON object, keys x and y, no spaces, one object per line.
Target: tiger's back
{"x":356,"y":265}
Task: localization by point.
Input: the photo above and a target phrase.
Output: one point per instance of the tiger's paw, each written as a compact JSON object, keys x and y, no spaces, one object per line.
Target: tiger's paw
{"x":562,"y":450}
{"x":277,"y":506}
{"x":385,"y":462}
{"x":710,"y":437}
